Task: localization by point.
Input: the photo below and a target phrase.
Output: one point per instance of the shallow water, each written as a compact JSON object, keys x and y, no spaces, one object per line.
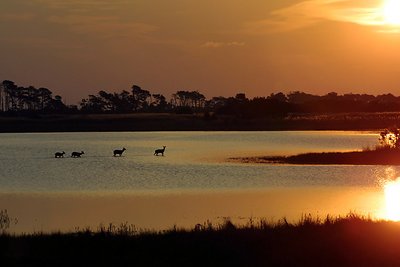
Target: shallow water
{"x":193,"y":182}
{"x":193,"y":160}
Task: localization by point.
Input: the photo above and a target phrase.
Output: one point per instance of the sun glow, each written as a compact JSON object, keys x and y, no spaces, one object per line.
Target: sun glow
{"x":392,"y":199}
{"x":391,"y":12}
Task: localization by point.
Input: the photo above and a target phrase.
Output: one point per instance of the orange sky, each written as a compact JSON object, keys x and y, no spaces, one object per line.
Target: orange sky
{"x":78,"y":47}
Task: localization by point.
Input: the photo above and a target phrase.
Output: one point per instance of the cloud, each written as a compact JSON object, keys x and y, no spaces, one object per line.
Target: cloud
{"x":83,"y":5}
{"x":306,"y":13}
{"x":97,"y":18}
{"x":103,"y":26}
{"x":23,"y":17}
{"x":213,"y":44}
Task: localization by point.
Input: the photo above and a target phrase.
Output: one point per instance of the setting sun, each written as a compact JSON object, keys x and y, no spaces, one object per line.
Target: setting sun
{"x":391,"y":12}
{"x":392,"y":198}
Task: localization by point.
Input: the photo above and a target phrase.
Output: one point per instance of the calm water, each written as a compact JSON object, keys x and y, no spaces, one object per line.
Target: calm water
{"x":193,"y":160}
{"x":192,"y":183}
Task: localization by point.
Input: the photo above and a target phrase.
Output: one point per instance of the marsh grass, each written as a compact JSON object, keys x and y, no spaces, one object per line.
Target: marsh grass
{"x":6,"y":221}
{"x":380,"y":155}
{"x":352,"y":240}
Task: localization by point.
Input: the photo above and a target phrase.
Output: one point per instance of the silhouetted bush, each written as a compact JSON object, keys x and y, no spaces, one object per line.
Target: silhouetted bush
{"x":183,"y":110}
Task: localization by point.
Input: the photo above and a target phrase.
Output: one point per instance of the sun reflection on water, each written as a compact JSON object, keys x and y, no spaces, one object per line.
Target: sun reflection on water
{"x":392,"y":200}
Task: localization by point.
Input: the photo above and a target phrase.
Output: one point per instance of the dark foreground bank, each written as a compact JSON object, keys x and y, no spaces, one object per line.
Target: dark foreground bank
{"x":194,"y":122}
{"x":350,"y":241}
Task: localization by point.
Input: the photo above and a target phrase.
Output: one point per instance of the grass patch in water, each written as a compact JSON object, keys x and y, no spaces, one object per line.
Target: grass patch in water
{"x":377,"y":156}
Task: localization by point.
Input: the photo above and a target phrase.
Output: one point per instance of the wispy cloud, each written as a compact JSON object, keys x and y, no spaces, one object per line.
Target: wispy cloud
{"x":83,"y":5}
{"x":306,"y":13}
{"x":213,"y":44}
{"x":103,"y":26}
{"x":17,"y":17}
{"x":99,"y":18}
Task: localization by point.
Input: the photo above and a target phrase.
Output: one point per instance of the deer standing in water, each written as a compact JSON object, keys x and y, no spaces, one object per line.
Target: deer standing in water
{"x":159,"y":151}
{"x":77,"y":154}
{"x":59,"y":154}
{"x":119,"y":152}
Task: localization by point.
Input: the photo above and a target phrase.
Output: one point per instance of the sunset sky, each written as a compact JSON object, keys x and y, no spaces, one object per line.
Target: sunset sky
{"x":78,"y":47}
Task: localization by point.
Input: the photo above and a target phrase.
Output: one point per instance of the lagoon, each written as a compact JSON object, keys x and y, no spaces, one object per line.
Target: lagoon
{"x":195,"y":181}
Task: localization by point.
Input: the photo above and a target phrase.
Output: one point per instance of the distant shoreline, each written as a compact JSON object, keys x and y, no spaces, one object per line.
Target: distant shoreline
{"x":194,"y":122}
{"x":379,"y":156}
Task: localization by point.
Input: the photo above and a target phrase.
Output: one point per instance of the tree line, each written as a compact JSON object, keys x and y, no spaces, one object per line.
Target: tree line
{"x":19,"y":99}
{"x":15,"y":99}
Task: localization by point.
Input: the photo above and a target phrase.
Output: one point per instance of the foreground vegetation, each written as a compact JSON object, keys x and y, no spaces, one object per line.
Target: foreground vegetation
{"x":349,"y":241}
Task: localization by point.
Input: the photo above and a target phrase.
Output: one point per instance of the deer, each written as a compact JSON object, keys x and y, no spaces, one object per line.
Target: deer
{"x":59,"y":154}
{"x":119,"y":152}
{"x":159,"y":151}
{"x":77,"y":154}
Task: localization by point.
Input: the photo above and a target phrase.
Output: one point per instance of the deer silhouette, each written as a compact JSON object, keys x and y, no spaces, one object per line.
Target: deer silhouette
{"x":159,"y":151}
{"x":59,"y":154}
{"x":119,"y":152}
{"x":77,"y":154}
